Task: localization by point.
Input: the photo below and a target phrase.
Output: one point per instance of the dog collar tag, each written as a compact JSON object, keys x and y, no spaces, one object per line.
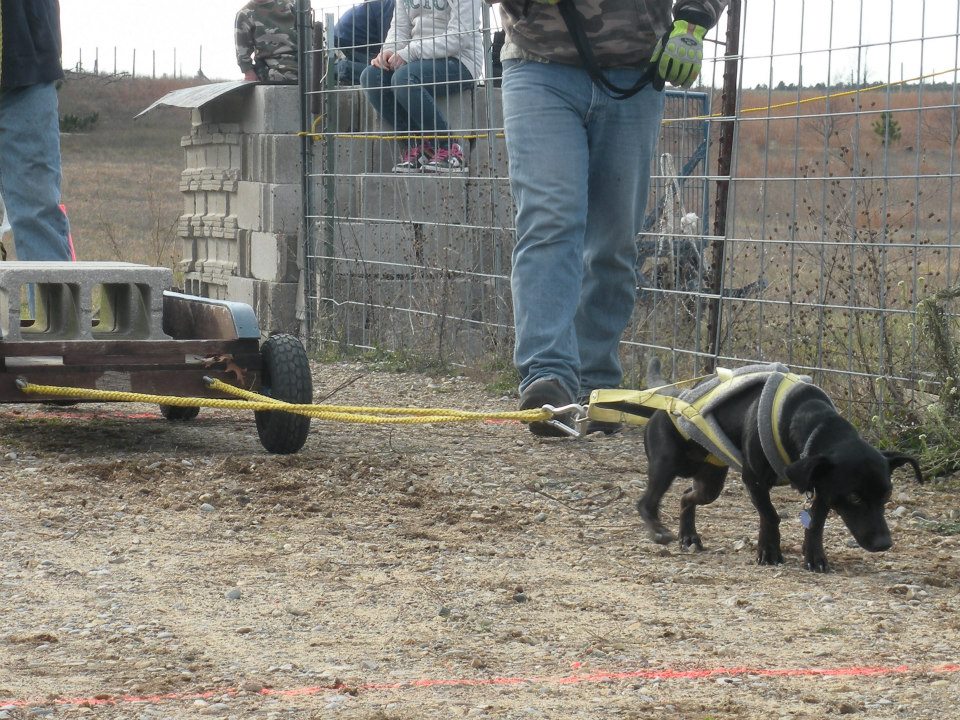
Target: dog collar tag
{"x":805,"y":519}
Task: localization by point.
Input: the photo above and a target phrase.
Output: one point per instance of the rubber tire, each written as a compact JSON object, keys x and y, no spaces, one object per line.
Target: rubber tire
{"x":176,"y":413}
{"x":285,"y":376}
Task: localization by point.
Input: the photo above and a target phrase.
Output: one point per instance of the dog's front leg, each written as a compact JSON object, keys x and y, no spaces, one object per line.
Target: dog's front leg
{"x":768,"y":542}
{"x":813,"y":555}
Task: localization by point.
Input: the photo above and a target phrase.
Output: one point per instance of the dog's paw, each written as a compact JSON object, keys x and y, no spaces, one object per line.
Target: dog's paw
{"x":691,"y":542}
{"x":819,"y":565}
{"x":661,"y":536}
{"x":769,"y":556}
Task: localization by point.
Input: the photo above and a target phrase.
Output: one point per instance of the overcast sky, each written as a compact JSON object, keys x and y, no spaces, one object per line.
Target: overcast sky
{"x":878,"y":36}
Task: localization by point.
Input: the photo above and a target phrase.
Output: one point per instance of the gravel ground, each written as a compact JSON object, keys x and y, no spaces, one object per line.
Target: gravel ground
{"x":153,"y":569}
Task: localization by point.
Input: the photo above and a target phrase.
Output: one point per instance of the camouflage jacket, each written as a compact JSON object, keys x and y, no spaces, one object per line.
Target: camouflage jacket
{"x":622,"y":33}
{"x":266,"y":39}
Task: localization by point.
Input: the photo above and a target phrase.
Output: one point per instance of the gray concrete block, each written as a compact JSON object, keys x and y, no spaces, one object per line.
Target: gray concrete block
{"x":261,"y":109}
{"x":274,"y":304}
{"x":273,"y":257}
{"x":490,"y":204}
{"x":195,"y":284}
{"x":337,"y":196}
{"x":202,"y":179}
{"x":488,"y":108}
{"x":416,"y":198}
{"x":128,"y":300}
{"x":272,"y":158}
{"x":268,"y":207}
{"x":345,"y":108}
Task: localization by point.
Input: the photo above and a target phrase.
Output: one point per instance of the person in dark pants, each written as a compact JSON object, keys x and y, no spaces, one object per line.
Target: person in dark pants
{"x":30,"y":166}
{"x":359,"y":35}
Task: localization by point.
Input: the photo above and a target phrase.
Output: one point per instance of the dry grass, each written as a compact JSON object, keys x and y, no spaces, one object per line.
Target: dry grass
{"x":121,"y":180}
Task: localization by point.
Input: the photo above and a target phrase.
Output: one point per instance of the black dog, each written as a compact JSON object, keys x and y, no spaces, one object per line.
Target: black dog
{"x":835,"y":467}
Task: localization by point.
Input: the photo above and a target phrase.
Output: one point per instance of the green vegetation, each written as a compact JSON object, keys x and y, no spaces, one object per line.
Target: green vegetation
{"x":78,"y":123}
{"x":887,"y":128}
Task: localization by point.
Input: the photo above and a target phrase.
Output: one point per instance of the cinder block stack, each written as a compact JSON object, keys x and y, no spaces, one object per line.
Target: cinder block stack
{"x":242,"y":205}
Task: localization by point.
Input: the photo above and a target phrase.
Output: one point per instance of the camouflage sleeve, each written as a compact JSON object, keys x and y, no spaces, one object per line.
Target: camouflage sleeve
{"x":243,"y":39}
{"x":704,"y":13}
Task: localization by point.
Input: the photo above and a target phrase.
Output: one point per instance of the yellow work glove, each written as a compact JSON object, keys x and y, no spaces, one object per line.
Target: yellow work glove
{"x":679,"y":55}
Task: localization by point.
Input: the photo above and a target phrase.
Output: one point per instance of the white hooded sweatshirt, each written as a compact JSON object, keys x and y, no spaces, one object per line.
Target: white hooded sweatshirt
{"x":436,"y":29}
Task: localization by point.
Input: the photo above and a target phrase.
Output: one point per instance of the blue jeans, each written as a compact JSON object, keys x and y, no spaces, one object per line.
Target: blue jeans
{"x":30,"y":171}
{"x":406,"y":98}
{"x":579,"y":171}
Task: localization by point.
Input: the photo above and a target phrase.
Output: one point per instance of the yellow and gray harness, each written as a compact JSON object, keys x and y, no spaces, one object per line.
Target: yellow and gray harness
{"x":692,"y":410}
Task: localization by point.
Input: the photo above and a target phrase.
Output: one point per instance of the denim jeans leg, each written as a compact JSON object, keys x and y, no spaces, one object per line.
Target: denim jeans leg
{"x":30,"y":171}
{"x":376,"y":86}
{"x":623,"y":139}
{"x":418,"y":84}
{"x":545,"y":109}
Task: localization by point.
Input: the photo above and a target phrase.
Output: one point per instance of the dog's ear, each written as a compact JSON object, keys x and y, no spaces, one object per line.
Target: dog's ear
{"x":896,"y":459}
{"x":804,"y":471}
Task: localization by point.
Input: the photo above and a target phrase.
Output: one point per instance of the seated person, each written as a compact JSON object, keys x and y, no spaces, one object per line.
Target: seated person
{"x":266,"y":41}
{"x":359,"y":35}
{"x":431,"y":51}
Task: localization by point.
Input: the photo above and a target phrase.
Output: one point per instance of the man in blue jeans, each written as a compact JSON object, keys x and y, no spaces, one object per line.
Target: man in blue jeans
{"x":30,"y":170}
{"x":580,"y":162}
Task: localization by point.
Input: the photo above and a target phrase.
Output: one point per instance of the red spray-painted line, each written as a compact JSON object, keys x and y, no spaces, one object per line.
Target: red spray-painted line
{"x":577,"y":679}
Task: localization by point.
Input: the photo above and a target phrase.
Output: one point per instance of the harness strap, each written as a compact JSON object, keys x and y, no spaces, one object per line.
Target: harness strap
{"x":691,"y":411}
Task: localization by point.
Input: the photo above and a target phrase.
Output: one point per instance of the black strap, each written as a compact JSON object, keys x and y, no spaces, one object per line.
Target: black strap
{"x":574,"y":22}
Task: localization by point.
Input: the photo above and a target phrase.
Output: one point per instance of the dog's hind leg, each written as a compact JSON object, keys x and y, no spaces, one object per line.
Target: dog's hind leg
{"x":707,"y":484}
{"x":659,"y":479}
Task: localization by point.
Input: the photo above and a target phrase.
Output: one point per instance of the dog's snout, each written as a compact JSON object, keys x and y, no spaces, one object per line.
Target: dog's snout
{"x":879,"y":543}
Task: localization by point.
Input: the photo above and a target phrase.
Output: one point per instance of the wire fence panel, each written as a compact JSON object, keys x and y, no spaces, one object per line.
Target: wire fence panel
{"x":838,"y":218}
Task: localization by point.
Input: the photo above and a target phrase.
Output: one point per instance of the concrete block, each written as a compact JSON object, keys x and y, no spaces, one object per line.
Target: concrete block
{"x":271,"y":109}
{"x":344,"y":109}
{"x":128,"y":299}
{"x":418,"y":198}
{"x":273,"y":257}
{"x":201,"y":179}
{"x":488,"y":108}
{"x":196,"y":284}
{"x":275,"y":304}
{"x":272,"y":159}
{"x":268,"y":207}
{"x":490,"y":204}
{"x":337,"y":195}
{"x":376,"y":323}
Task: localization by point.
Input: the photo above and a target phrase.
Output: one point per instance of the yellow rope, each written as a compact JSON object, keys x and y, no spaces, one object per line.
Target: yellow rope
{"x":255,"y":402}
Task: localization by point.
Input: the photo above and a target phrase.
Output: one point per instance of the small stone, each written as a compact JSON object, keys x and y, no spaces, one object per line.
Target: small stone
{"x":207,"y":508}
{"x":847,"y":709}
{"x":232,"y":594}
{"x":444,"y":611}
{"x":540,"y":517}
{"x":245,"y":630}
{"x":520,"y":597}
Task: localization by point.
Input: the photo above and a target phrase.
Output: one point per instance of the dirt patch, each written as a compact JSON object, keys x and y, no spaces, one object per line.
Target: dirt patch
{"x":180,"y":563}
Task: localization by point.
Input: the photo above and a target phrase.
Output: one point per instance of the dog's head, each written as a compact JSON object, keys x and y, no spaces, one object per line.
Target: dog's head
{"x":855,"y":485}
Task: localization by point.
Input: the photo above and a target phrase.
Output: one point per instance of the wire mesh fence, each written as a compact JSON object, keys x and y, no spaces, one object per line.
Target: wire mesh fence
{"x":809,"y":237}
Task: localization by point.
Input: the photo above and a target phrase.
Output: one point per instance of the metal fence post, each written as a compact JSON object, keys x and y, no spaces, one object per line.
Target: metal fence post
{"x":724,"y":163}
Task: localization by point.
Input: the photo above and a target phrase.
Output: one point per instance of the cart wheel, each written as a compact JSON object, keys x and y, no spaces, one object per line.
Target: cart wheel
{"x":285,"y":376}
{"x":177,"y":413}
